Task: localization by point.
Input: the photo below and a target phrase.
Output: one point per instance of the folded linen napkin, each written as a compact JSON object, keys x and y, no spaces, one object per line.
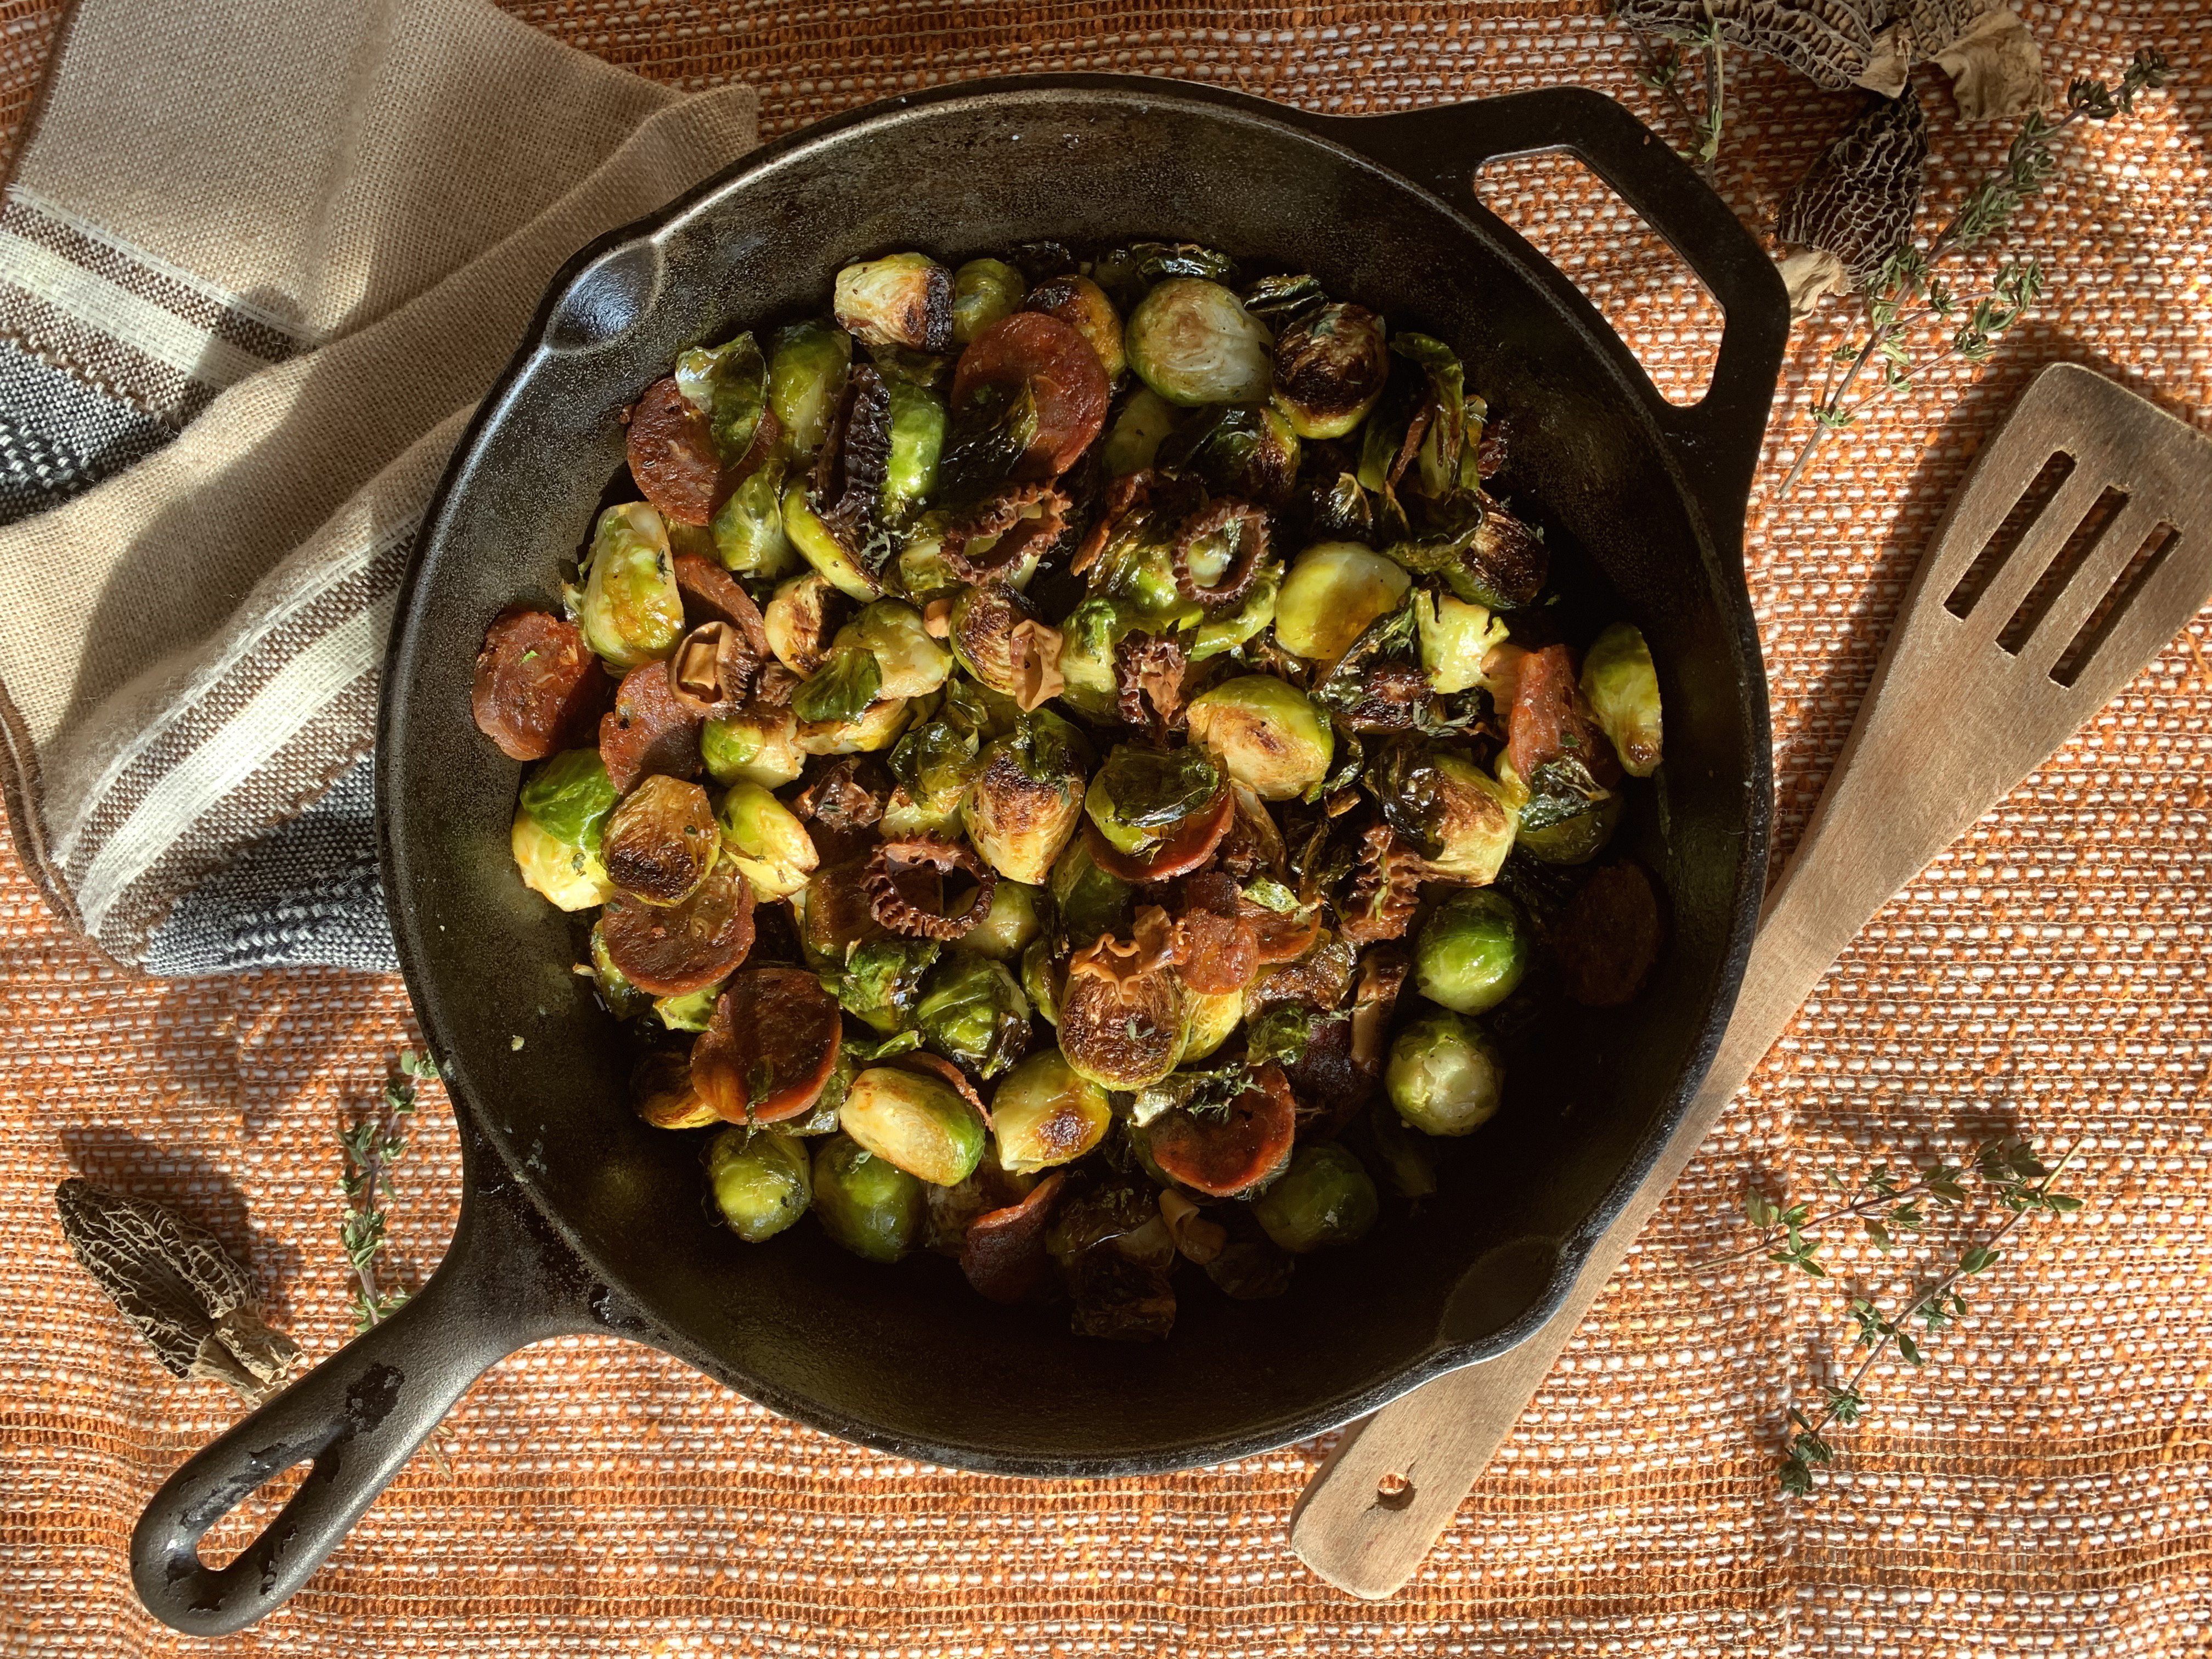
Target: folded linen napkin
{"x":258,"y":260}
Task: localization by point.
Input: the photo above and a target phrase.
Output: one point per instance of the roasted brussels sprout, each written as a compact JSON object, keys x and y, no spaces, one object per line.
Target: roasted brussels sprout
{"x":1028,"y":798}
{"x":1330,"y":370}
{"x":1457,"y":639}
{"x":1213,"y":1020}
{"x":1088,"y":900}
{"x":692,"y":1012}
{"x":570,"y":796}
{"x":1082,"y":306}
{"x":819,"y":546}
{"x":1445,"y":1076}
{"x":1133,"y":440}
{"x":994,"y":629}
{"x":766,"y":841}
{"x":1324,"y":1198}
{"x":758,"y":747}
{"x":916,"y":1122}
{"x":800,"y":619}
{"x":1567,"y":817}
{"x":983,"y":291}
{"x":806,"y":366}
{"x":727,"y":383}
{"x":881,"y":979}
{"x":630,"y":609}
{"x":876,"y":726}
{"x":935,"y":763}
{"x":902,"y":298}
{"x":1088,"y":634}
{"x":973,"y":1011}
{"x":865,"y":1203}
{"x":1141,"y":796}
{"x":1192,"y":342}
{"x":917,"y":438}
{"x":660,"y":1091}
{"x":1245,"y":449}
{"x":661,"y":842}
{"x":1267,"y":733}
{"x":1046,"y":1114}
{"x":760,"y":1179}
{"x":1446,"y":807}
{"x":908,"y":662}
{"x":1252,"y":615}
{"x":1009,"y":925}
{"x":622,"y":1000}
{"x":1472,"y":951}
{"x":1334,"y":591}
{"x":568,"y":875}
{"x":747,"y":530}
{"x":849,"y":682}
{"x":1623,"y":690}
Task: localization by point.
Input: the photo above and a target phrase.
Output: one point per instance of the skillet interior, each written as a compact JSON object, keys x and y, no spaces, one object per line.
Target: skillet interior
{"x":909,"y":1359}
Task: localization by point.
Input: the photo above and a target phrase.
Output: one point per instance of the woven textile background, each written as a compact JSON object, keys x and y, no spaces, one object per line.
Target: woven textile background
{"x":2045,"y":1486}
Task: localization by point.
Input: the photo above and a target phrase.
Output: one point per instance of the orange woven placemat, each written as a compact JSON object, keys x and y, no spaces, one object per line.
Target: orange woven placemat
{"x":2042,"y":1487}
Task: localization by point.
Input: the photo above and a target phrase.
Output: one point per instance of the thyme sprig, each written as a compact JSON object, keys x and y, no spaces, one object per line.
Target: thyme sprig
{"x":2014,"y":1179}
{"x":1908,"y":295}
{"x":372,"y":1146}
{"x":1706,"y":118}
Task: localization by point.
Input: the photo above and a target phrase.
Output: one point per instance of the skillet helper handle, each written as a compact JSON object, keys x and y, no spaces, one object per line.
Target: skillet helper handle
{"x":1716,"y":442}
{"x":359,"y":1416}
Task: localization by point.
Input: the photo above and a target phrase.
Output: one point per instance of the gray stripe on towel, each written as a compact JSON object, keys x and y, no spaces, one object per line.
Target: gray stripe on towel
{"x":58,"y":436}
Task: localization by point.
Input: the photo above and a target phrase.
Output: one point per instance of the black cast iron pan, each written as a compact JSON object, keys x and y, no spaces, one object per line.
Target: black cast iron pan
{"x":577,"y":1217}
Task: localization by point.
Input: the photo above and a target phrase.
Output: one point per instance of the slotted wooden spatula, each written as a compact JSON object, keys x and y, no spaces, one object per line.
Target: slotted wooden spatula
{"x":2079,"y":545}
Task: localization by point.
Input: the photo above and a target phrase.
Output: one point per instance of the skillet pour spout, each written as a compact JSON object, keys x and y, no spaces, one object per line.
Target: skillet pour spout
{"x":567,"y":1224}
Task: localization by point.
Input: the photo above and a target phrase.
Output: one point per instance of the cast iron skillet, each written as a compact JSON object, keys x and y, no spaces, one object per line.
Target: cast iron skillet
{"x":577,"y":1217}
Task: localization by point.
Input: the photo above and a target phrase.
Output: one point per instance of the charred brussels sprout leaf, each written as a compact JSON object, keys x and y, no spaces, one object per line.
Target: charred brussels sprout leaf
{"x":748,"y":528}
{"x":1486,"y":556}
{"x":1436,"y":461}
{"x":1280,"y":301}
{"x":973,"y":1013}
{"x":1140,"y":795}
{"x":762,"y":1180}
{"x":1447,"y":809}
{"x":990,"y":430}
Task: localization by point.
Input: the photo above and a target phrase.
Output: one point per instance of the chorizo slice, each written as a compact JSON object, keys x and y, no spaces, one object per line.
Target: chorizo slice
{"x":770,"y":1048}
{"x":673,"y":950}
{"x":673,"y":456}
{"x":650,"y":731}
{"x":1225,"y":1153}
{"x":1063,"y":374}
{"x":1003,"y":1251}
{"x":538,"y":686}
{"x":1550,"y":722}
{"x":1608,"y":937}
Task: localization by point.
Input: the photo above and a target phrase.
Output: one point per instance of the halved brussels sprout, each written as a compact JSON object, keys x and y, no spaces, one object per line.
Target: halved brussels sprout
{"x":1447,"y":808}
{"x":1008,"y":926}
{"x":1141,"y":796}
{"x":1133,"y":440}
{"x":747,"y":530}
{"x":983,"y":291}
{"x":692,"y":1012}
{"x":915,"y":1122}
{"x":1456,"y":638}
{"x":631,"y":609}
{"x":902,"y":300}
{"x":1082,"y":306}
{"x":570,"y":796}
{"x":1330,"y":370}
{"x":818,"y":545}
{"x":1256,"y":611}
{"x":986,"y":623}
{"x":1623,"y":689}
{"x":766,"y":841}
{"x":727,"y":383}
{"x":1472,"y":951}
{"x":800,"y":619}
{"x":1267,"y":733}
{"x":973,"y":1011}
{"x":865,"y":1203}
{"x":661,"y":844}
{"x":1041,"y":979}
{"x":661,"y":1091}
{"x":881,"y":980}
{"x":1213,"y":1021}
{"x":1245,"y":449}
{"x":758,"y":747}
{"x":935,"y":763}
{"x":1088,"y":634}
{"x":917,"y":438}
{"x":1445,"y":1077}
{"x":1578,"y":837}
{"x":1324,"y":1198}
{"x":908,"y":662}
{"x":876,"y":726}
{"x":1046,"y":1114}
{"x":568,"y":875}
{"x":806,"y":365}
{"x":1028,"y":798}
{"x":622,"y":1000}
{"x":1088,"y":900}
{"x":1334,"y":591}
{"x":849,"y":682}
{"x":1192,"y":342}
{"x":1567,"y":817}
{"x":761,"y":1178}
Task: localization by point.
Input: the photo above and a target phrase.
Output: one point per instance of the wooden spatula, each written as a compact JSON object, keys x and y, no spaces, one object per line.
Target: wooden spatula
{"x":2080,"y":544}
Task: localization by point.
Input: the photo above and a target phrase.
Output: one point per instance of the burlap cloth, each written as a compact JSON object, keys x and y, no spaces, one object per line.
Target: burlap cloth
{"x":2041,"y":1487}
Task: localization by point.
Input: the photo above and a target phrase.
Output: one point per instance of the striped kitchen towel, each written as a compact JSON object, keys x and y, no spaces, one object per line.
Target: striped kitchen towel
{"x":257,"y":261}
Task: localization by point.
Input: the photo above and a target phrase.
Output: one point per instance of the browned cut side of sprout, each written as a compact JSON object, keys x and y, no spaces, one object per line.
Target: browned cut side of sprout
{"x":1148,"y":675}
{"x":893,"y":894}
{"x":1247,"y":524}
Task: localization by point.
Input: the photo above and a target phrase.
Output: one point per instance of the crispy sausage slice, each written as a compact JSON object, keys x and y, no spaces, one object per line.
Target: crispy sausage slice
{"x":673,"y":950}
{"x":1063,"y":374}
{"x":538,"y":686}
{"x":1609,"y":935}
{"x":770,"y":1050}
{"x":1223,"y":1154}
{"x":650,"y":731}
{"x":1003,"y":1251}
{"x":673,"y":457}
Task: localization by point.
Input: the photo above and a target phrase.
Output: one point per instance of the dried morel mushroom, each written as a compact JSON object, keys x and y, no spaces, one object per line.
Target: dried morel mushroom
{"x":1858,"y":200}
{"x":176,"y":1283}
{"x":1829,"y":42}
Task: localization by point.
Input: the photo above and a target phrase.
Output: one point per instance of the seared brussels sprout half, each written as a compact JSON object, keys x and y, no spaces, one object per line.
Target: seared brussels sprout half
{"x":754,"y":746}
{"x":1141,"y":796}
{"x":917,"y":438}
{"x":1324,"y":1198}
{"x":566,"y":874}
{"x":1133,"y":440}
{"x":1472,"y":951}
{"x":766,"y":841}
{"x":908,"y":662}
{"x":915,"y":1122}
{"x":1445,"y":1076}
{"x":819,"y":546}
{"x":1008,"y":926}
{"x":747,"y":529}
{"x":1088,"y":900}
{"x":1267,"y":732}
{"x":1623,"y":689}
{"x":763,"y":1180}
{"x":1045,"y":1114}
{"x":1192,"y":342}
{"x":973,"y":1011}
{"x":900,"y":299}
{"x":1245,"y":449}
{"x":661,"y":844}
{"x":1334,"y":591}
{"x":1330,"y":370}
{"x":800,"y":619}
{"x":983,"y":291}
{"x":1456,"y":640}
{"x":630,"y":609}
{"x":865,"y":1203}
{"x":1451,"y":813}
{"x":1027,"y":799}
{"x":994,"y":629}
{"x":806,"y":366}
{"x":849,"y":682}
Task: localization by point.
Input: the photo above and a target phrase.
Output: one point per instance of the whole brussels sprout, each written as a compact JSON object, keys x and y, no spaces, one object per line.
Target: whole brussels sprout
{"x":819,"y":546}
{"x":1008,"y":926}
{"x":1192,"y":342}
{"x":1133,"y":440}
{"x":1267,"y":732}
{"x":766,"y":841}
{"x":1141,"y":796}
{"x":1324,"y":1198}
{"x":631,"y":609}
{"x":761,"y":1180}
{"x":865,"y":1203}
{"x":1088,"y":900}
{"x":915,"y":1122}
{"x":973,"y":1011}
{"x":983,"y":291}
{"x":918,"y":421}
{"x":1027,"y":799}
{"x":568,"y":875}
{"x":1214,"y":1018}
{"x":1457,"y":639}
{"x":1044,"y":1114}
{"x":1252,"y":615}
{"x":1041,"y":979}
{"x":806,"y":365}
{"x":1445,"y":1077}
{"x":909,"y":663}
{"x":1334,"y":591}
{"x":1330,"y":369}
{"x":753,"y":747}
{"x":1472,"y":951}
{"x":1623,"y":689}
{"x":747,"y":529}
{"x":900,"y":299}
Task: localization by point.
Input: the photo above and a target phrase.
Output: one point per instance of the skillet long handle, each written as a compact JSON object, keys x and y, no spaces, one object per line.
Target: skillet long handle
{"x":359,"y":1416}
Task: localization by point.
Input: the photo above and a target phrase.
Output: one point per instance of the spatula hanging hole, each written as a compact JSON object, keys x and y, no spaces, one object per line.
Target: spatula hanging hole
{"x":2157,"y":547}
{"x":2006,"y":541}
{"x":1394,"y":1491}
{"x":2060,"y":571}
